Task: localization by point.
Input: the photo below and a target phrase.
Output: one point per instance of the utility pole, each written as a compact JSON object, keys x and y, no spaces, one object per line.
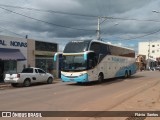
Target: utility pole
{"x":98,"y":29}
{"x":149,"y":50}
{"x":148,"y":62}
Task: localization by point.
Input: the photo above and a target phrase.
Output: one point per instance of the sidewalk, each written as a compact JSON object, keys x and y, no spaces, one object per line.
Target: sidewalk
{"x":4,"y":85}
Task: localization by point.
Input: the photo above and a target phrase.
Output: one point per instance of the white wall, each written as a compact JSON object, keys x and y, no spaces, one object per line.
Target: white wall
{"x":143,"y":48}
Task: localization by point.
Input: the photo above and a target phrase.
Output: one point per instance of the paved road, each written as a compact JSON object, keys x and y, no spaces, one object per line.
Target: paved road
{"x":70,"y":96}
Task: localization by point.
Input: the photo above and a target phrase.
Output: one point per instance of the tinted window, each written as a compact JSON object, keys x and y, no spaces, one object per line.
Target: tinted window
{"x":44,"y":46}
{"x":40,"y":71}
{"x":74,"y":63}
{"x":36,"y":70}
{"x":27,"y":70}
{"x":104,"y":49}
{"x":76,"y":46}
{"x":122,"y":51}
{"x":95,"y":47}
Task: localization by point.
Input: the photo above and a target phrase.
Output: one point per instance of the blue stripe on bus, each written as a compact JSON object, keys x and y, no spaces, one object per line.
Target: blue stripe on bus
{"x":121,"y":72}
{"x":83,"y":78}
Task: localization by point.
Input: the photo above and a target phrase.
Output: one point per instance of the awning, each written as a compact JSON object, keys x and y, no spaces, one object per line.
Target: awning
{"x":11,"y":54}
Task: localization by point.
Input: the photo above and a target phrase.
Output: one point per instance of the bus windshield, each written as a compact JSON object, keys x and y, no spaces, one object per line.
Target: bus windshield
{"x":74,"y":63}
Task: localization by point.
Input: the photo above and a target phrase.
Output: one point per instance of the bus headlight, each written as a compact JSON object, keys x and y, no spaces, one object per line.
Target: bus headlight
{"x":82,"y":74}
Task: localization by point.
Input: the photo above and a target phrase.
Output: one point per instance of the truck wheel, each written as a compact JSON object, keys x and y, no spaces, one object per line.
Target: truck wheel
{"x":27,"y":83}
{"x":50,"y":80}
{"x":14,"y":84}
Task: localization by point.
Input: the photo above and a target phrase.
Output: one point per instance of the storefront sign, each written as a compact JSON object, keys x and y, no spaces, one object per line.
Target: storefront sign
{"x":2,"y":42}
{"x":18,"y":44}
{"x":13,"y":43}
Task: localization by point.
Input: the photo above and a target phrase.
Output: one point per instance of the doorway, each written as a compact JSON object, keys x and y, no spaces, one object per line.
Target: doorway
{"x":1,"y":71}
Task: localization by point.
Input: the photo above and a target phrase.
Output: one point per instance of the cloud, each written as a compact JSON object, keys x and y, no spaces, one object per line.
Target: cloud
{"x":138,"y":9}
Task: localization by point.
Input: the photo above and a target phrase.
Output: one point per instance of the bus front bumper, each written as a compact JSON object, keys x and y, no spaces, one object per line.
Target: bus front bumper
{"x":81,"y":78}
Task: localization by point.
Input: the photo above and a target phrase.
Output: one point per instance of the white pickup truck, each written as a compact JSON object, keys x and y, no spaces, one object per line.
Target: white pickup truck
{"x":28,"y":76}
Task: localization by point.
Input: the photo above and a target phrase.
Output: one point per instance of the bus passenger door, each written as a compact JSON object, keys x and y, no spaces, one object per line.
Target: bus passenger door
{"x":92,"y":67}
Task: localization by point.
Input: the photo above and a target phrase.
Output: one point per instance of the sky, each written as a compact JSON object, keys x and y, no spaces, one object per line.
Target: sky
{"x":123,"y":22}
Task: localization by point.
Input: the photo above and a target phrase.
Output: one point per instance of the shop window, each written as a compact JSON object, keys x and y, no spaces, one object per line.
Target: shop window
{"x":45,"y":64}
{"x":10,"y":67}
{"x":44,"y":46}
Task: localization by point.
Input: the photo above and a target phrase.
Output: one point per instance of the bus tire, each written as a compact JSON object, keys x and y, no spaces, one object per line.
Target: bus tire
{"x":100,"y":77}
{"x":126,"y":75}
{"x":129,"y":75}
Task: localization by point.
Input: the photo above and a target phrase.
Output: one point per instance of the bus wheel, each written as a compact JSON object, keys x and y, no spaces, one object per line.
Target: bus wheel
{"x":129,"y":74}
{"x":100,"y":78}
{"x":126,"y":74}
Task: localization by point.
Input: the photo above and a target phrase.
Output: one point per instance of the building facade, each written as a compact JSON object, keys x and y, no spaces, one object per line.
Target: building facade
{"x":151,"y":50}
{"x":18,"y":53}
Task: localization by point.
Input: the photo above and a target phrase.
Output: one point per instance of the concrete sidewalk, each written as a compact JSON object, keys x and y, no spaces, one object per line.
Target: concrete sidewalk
{"x":4,"y":85}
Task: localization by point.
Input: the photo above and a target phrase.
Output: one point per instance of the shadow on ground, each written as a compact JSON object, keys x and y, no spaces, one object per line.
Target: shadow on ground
{"x":105,"y":82}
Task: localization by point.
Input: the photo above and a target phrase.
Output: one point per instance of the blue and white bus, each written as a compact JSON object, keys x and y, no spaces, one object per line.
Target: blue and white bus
{"x":91,"y":60}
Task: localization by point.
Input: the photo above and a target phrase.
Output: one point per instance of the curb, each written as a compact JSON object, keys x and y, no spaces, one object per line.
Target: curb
{"x":4,"y":85}
{"x":8,"y":84}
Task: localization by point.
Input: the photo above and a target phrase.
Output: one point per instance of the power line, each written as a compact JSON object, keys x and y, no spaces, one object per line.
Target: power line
{"x":12,"y":32}
{"x":77,"y":14}
{"x":50,"y":11}
{"x":45,"y":21}
{"x":74,"y":14}
{"x":151,"y":33}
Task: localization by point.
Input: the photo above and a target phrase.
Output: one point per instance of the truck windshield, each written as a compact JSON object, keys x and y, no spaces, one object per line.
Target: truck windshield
{"x":74,"y":63}
{"x":27,"y":70}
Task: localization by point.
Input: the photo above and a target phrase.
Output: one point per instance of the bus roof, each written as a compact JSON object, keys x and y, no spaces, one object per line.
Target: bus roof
{"x":94,"y":40}
{"x":111,"y":44}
